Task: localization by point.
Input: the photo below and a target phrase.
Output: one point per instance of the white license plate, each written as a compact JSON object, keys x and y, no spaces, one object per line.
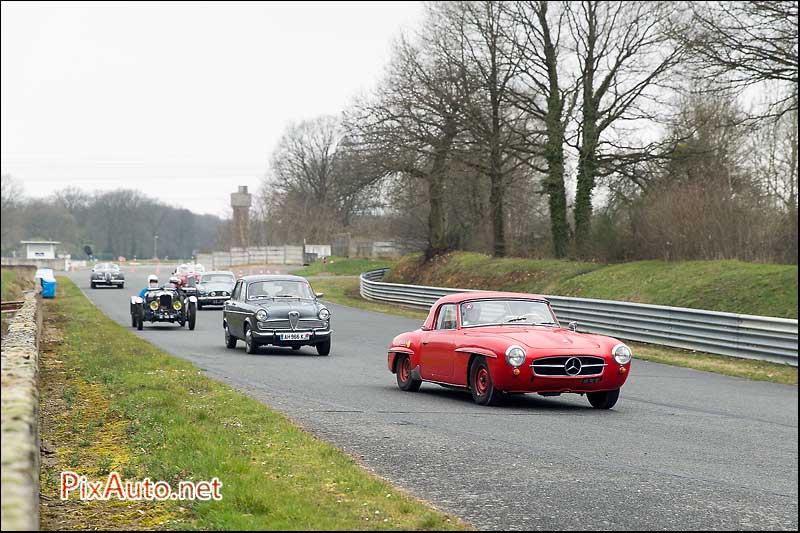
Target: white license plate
{"x":294,"y":336}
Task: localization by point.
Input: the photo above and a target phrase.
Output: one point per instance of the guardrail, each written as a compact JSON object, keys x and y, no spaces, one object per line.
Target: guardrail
{"x":748,"y":336}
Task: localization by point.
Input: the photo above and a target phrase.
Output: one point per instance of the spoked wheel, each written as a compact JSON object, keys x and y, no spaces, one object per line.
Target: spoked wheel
{"x":480,"y":384}
{"x":230,"y":340}
{"x":250,"y":345}
{"x":603,"y":400}
{"x":405,"y":380}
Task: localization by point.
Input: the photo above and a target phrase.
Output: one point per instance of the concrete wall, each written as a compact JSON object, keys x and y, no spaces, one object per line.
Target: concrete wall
{"x":19,"y":491}
{"x":55,"y":264}
{"x":253,"y":255}
{"x":322,"y":250}
{"x":345,"y":245}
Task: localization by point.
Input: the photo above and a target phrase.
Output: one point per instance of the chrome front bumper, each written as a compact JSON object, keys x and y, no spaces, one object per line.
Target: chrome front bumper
{"x":274,"y":335}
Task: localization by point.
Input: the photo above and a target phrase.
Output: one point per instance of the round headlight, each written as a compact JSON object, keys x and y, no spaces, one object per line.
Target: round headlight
{"x":154,"y":305}
{"x":324,"y":314}
{"x":261,"y":315}
{"x":515,"y":356}
{"x":622,"y":354}
{"x":177,"y":306}
{"x":201,"y":290}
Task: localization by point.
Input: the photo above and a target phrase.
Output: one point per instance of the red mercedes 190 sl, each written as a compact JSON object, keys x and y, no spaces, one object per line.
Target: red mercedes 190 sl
{"x":497,"y":343}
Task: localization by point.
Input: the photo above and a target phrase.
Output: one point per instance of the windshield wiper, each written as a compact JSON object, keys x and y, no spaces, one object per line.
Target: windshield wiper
{"x":516,"y":319}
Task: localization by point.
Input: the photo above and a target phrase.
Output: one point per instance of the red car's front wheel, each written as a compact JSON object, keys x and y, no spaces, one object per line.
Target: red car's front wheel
{"x":405,"y":379}
{"x":480,"y":383}
{"x":603,"y":400}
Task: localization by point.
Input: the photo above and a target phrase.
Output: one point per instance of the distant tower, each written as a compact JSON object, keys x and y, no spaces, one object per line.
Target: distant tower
{"x":240,"y":202}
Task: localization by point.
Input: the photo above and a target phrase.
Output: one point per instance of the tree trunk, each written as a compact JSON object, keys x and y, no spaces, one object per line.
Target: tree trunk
{"x":437,"y":242}
{"x":554,"y":150}
{"x":498,"y":226}
{"x":587,"y":167}
{"x":556,"y":192}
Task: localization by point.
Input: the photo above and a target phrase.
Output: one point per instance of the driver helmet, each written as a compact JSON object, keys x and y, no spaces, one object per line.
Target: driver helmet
{"x":175,"y":280}
{"x":470,"y":313}
{"x":152,"y":281}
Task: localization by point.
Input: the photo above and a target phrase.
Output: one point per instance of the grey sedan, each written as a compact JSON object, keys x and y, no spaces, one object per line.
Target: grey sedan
{"x":276,"y":310}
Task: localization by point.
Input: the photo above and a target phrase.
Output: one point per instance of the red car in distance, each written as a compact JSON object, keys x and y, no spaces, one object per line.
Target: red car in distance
{"x":185,"y":271}
{"x":497,"y":343}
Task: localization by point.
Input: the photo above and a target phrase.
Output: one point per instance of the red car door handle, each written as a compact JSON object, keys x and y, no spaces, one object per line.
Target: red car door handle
{"x":424,"y":342}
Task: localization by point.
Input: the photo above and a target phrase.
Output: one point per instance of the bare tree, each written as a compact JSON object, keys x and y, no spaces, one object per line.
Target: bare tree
{"x":774,"y":155}
{"x":623,"y":52}
{"x":497,"y":127}
{"x":11,"y":194}
{"x":736,"y":45}
{"x":548,"y":100}
{"x":410,"y":126}
{"x":313,"y":179}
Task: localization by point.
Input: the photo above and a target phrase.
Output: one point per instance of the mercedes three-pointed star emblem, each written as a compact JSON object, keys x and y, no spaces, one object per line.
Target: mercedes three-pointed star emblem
{"x":573,"y":366}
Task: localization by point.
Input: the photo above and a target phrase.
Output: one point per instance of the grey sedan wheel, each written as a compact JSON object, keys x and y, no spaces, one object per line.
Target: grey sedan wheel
{"x":230,"y":340}
{"x":324,"y":348}
{"x":249,"y":344}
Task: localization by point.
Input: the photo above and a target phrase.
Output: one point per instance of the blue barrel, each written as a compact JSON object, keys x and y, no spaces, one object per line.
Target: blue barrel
{"x":48,"y":282}
{"x":48,"y":288}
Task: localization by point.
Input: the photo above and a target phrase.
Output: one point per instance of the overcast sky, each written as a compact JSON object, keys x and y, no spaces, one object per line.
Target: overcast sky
{"x":184,"y":100}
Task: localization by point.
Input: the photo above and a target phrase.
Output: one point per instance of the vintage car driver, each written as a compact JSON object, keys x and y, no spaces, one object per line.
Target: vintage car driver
{"x":152,"y":283}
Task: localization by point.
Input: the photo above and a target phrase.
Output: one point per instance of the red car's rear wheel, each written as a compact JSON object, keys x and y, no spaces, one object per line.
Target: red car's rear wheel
{"x":405,"y":379}
{"x":480,"y":383}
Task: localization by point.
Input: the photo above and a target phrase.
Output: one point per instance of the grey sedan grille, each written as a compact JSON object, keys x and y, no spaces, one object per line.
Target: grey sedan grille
{"x":283,"y":323}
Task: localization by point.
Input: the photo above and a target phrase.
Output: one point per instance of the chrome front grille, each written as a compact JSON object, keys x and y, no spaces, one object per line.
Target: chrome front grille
{"x":566,"y":366}
{"x":283,"y":323}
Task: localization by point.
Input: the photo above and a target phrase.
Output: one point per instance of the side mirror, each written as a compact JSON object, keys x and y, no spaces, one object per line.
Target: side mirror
{"x":319,"y":294}
{"x":573,"y":326}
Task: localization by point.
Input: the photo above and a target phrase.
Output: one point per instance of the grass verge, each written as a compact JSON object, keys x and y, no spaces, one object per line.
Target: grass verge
{"x":729,"y":286}
{"x":343,"y":266}
{"x":345,"y":291}
{"x":720,"y":364}
{"x":112,"y":401}
{"x":12,"y":283}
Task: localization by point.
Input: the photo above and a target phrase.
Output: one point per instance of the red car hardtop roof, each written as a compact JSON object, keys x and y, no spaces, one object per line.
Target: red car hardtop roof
{"x":479,"y":295}
{"x":463,"y":296}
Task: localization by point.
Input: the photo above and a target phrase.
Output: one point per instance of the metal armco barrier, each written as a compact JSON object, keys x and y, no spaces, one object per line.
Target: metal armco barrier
{"x":751,"y":337}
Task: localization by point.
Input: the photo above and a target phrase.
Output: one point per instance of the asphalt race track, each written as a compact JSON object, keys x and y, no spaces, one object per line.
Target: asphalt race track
{"x":681,"y":450}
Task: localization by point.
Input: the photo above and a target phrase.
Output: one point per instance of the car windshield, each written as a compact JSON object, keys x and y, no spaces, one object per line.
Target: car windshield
{"x":282,"y":288}
{"x":506,"y":311}
{"x":183,"y":269}
{"x":106,"y":266}
{"x":219,"y":278}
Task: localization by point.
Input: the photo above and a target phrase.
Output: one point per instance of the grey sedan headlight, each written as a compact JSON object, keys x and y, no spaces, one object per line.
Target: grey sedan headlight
{"x":324,"y":314}
{"x":261,"y":315}
{"x":515,"y":356}
{"x":201,"y":290}
{"x":622,"y":354}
